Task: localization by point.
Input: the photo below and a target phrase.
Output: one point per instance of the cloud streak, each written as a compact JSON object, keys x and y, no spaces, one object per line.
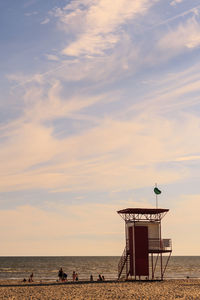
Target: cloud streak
{"x":100,"y":23}
{"x":184,"y":36}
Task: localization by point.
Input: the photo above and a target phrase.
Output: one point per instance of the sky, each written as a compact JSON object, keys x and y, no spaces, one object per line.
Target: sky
{"x":99,"y":101}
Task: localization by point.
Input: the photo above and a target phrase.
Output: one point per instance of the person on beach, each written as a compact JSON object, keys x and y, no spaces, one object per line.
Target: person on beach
{"x":91,"y":277}
{"x":73,"y":276}
{"x":31,"y":278}
{"x":60,"y":274}
{"x":76,"y":276}
{"x":100,"y":278}
{"x":103,"y":279}
{"x":64,"y":277}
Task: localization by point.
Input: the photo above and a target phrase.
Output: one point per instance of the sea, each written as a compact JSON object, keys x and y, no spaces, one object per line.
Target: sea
{"x":46,"y":268}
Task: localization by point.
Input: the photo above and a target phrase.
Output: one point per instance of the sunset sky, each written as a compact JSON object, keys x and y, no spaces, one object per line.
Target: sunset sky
{"x":100,"y":99}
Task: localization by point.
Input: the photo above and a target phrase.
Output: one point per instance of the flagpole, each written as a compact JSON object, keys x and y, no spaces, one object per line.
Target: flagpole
{"x":156,"y":197}
{"x":157,"y":192}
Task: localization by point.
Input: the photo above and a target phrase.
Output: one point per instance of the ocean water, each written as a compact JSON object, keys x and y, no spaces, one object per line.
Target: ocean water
{"x":46,"y":268}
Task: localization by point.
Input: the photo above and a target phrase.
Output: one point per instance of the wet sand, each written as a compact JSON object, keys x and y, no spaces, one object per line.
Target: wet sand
{"x":167,"y":289}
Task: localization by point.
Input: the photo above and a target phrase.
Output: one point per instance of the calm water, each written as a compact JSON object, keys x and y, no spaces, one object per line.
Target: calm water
{"x":47,"y":267}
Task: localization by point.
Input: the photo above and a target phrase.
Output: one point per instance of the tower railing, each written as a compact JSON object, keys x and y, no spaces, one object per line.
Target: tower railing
{"x":160,"y":244}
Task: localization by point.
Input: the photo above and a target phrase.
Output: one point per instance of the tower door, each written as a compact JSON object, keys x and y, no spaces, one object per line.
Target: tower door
{"x":141,"y":251}
{"x":130,"y":247}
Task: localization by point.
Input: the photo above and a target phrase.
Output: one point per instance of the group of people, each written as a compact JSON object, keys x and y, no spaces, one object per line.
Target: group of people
{"x":63,"y":276}
{"x":100,"y":278}
{"x":30,"y":278}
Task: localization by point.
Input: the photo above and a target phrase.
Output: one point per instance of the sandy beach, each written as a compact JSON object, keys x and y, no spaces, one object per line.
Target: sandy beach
{"x":168,"y":289}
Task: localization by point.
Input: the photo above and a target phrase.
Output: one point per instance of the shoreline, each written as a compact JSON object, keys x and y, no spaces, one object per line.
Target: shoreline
{"x":46,"y":282}
{"x":166,"y":289}
{"x":49,"y":281}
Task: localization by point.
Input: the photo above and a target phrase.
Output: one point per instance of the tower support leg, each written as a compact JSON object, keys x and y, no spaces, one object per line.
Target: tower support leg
{"x":166,"y":264}
{"x":161,"y":267}
{"x":152,"y":266}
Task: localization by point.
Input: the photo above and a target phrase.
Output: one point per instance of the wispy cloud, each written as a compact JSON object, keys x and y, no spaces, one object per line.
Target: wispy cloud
{"x":191,"y":11}
{"x":22,"y":79}
{"x":29,"y":3}
{"x":99,"y":23}
{"x":28,"y":14}
{"x":52,"y":57}
{"x":45,"y":21}
{"x":93,"y":36}
{"x":188,"y":158}
{"x":175,"y":2}
{"x":185,"y":36}
{"x":97,"y":158}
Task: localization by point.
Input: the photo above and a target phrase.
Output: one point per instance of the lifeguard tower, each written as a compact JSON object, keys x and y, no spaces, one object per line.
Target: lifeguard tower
{"x":144,"y":244}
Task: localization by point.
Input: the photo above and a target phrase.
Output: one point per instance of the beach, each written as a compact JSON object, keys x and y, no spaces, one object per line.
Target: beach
{"x":167,"y":289}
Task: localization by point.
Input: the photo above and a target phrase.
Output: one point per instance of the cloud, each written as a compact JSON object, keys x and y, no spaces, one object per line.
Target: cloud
{"x":185,"y":36}
{"x":54,"y":106}
{"x":28,"y":14}
{"x":194,"y":11}
{"x":104,"y":69}
{"x":175,"y":2}
{"x":178,"y":92}
{"x":45,"y":21}
{"x":171,"y":40}
{"x":45,"y":231}
{"x":112,"y":154}
{"x":99,"y":23}
{"x":22,"y":79}
{"x":104,"y":50}
{"x":52,"y":57}
{"x":29,"y":3}
{"x":188,"y":158}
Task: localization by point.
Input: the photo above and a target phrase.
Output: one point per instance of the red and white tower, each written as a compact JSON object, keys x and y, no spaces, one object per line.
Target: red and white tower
{"x":144,"y":244}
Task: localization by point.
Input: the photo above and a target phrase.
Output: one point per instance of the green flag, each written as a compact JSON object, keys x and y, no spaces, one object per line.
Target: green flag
{"x":157,"y":191}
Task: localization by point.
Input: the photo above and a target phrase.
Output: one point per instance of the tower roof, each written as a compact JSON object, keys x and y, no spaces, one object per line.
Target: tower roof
{"x":142,"y":214}
{"x":150,"y":211}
